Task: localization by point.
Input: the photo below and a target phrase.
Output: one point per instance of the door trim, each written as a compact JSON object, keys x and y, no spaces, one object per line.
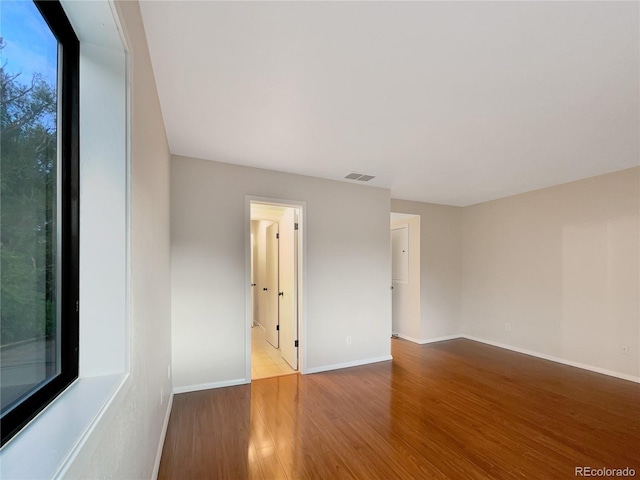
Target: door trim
{"x":302,"y":278}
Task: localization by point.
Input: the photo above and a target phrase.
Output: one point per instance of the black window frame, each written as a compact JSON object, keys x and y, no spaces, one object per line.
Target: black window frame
{"x":68,"y":107}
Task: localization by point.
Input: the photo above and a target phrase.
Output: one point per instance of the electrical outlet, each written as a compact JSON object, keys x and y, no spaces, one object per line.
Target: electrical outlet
{"x":161,"y":396}
{"x":507,"y":327}
{"x":348,"y":340}
{"x":625,"y":349}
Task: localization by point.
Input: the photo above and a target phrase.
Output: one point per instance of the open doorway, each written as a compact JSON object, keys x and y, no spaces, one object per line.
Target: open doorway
{"x":275,"y":267}
{"x":405,"y":261}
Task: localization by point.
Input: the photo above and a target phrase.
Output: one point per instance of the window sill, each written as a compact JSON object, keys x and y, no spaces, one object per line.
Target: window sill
{"x":47,"y":444}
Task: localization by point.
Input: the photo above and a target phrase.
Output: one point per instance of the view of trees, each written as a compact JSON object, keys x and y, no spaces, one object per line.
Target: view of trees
{"x":28,"y":183}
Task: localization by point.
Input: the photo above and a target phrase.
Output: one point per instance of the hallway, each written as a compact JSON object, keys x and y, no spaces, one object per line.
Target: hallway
{"x":266,"y":361}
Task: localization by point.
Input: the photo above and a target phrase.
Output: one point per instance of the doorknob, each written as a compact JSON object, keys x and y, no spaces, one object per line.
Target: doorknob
{"x":264,"y":289}
{"x":281,"y":294}
{"x":253,"y":284}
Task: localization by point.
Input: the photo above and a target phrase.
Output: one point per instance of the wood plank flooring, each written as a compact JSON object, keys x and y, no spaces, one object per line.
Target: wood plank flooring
{"x":456,"y":409}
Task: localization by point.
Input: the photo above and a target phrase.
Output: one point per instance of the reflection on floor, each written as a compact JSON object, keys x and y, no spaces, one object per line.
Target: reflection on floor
{"x":266,"y":361}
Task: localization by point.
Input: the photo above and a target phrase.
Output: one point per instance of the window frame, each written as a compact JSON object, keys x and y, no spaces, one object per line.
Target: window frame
{"x":19,"y":415}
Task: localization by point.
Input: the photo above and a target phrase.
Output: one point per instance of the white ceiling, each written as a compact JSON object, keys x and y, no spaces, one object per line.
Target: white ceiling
{"x":445,"y":102}
{"x":269,"y":212}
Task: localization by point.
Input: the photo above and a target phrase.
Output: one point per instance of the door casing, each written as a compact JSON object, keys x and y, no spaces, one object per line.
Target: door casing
{"x":301,"y":278}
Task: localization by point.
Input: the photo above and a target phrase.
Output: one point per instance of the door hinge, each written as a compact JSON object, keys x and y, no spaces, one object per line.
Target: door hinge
{"x":277,"y":235}
{"x":77,"y":305}
{"x":295,"y":343}
{"x":277,"y":327}
{"x":295,"y":226}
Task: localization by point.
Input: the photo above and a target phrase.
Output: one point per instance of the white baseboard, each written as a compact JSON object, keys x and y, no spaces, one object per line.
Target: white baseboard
{"x":163,"y":434}
{"x":336,"y":366}
{"x":208,"y":386}
{"x":428,"y":340}
{"x":356,"y":363}
{"x":551,"y":358}
{"x":407,"y":337}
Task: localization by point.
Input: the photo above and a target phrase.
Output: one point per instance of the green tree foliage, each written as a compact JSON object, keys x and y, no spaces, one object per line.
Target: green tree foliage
{"x":28,"y":180}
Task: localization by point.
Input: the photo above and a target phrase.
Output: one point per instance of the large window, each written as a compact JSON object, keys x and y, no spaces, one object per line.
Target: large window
{"x":39,"y":209}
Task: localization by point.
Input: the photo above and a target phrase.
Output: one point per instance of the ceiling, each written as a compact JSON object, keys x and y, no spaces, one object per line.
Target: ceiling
{"x":446,"y":102}
{"x":269,"y":212}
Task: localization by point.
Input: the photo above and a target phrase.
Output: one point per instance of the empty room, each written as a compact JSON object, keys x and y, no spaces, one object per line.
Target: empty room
{"x":315,"y":240}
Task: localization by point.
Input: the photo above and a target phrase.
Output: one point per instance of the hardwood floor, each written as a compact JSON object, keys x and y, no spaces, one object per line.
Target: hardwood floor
{"x":456,"y":409}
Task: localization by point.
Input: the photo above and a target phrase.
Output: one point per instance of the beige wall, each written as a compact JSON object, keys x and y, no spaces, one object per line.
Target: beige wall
{"x":125,"y":440}
{"x":560,"y":265}
{"x":348,"y":275}
{"x":440,"y":257}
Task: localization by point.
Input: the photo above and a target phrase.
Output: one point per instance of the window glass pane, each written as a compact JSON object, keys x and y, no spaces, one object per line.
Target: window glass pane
{"x":29,"y":216}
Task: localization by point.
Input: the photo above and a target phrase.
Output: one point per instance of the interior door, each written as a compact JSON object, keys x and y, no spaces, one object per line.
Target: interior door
{"x":272,"y":322}
{"x":288,"y":294}
{"x":254,"y":280}
{"x":400,"y":275}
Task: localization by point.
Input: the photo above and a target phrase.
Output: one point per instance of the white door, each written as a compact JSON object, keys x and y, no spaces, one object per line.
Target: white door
{"x":254,"y":281}
{"x":261,"y":294}
{"x":400,"y":275}
{"x":288,"y":293}
{"x":272,"y":323}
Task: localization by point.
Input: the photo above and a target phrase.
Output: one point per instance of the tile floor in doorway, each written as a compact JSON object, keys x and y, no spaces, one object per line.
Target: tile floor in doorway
{"x":266,"y":360}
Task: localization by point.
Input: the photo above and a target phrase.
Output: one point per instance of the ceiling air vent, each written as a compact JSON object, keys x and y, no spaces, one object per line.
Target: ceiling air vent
{"x":353,"y":176}
{"x":360,"y":177}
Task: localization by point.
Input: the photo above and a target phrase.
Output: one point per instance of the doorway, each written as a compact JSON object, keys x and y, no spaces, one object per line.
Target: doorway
{"x":275,"y":282}
{"x":405,"y":262}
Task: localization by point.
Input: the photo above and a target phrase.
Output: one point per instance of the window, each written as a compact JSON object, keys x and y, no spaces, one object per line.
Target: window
{"x":39,"y":209}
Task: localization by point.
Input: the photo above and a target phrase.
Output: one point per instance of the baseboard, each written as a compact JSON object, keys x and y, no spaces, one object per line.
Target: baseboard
{"x":428,"y":340}
{"x":163,"y":434}
{"x":208,"y":386}
{"x":407,"y":337}
{"x":551,"y":358}
{"x":356,"y":363}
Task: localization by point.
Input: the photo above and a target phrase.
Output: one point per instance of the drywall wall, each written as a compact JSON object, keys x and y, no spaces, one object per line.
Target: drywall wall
{"x":348,"y":269}
{"x":103,"y":210}
{"x":406,"y":295}
{"x":440,"y":267}
{"x":124,"y":442}
{"x":560,"y":267}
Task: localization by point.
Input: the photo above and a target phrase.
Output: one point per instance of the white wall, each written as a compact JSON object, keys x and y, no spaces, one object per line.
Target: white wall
{"x":406,"y":296}
{"x":125,"y":440}
{"x":561,"y":266}
{"x":103,"y":210}
{"x":440,"y":266}
{"x":348,"y":265}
